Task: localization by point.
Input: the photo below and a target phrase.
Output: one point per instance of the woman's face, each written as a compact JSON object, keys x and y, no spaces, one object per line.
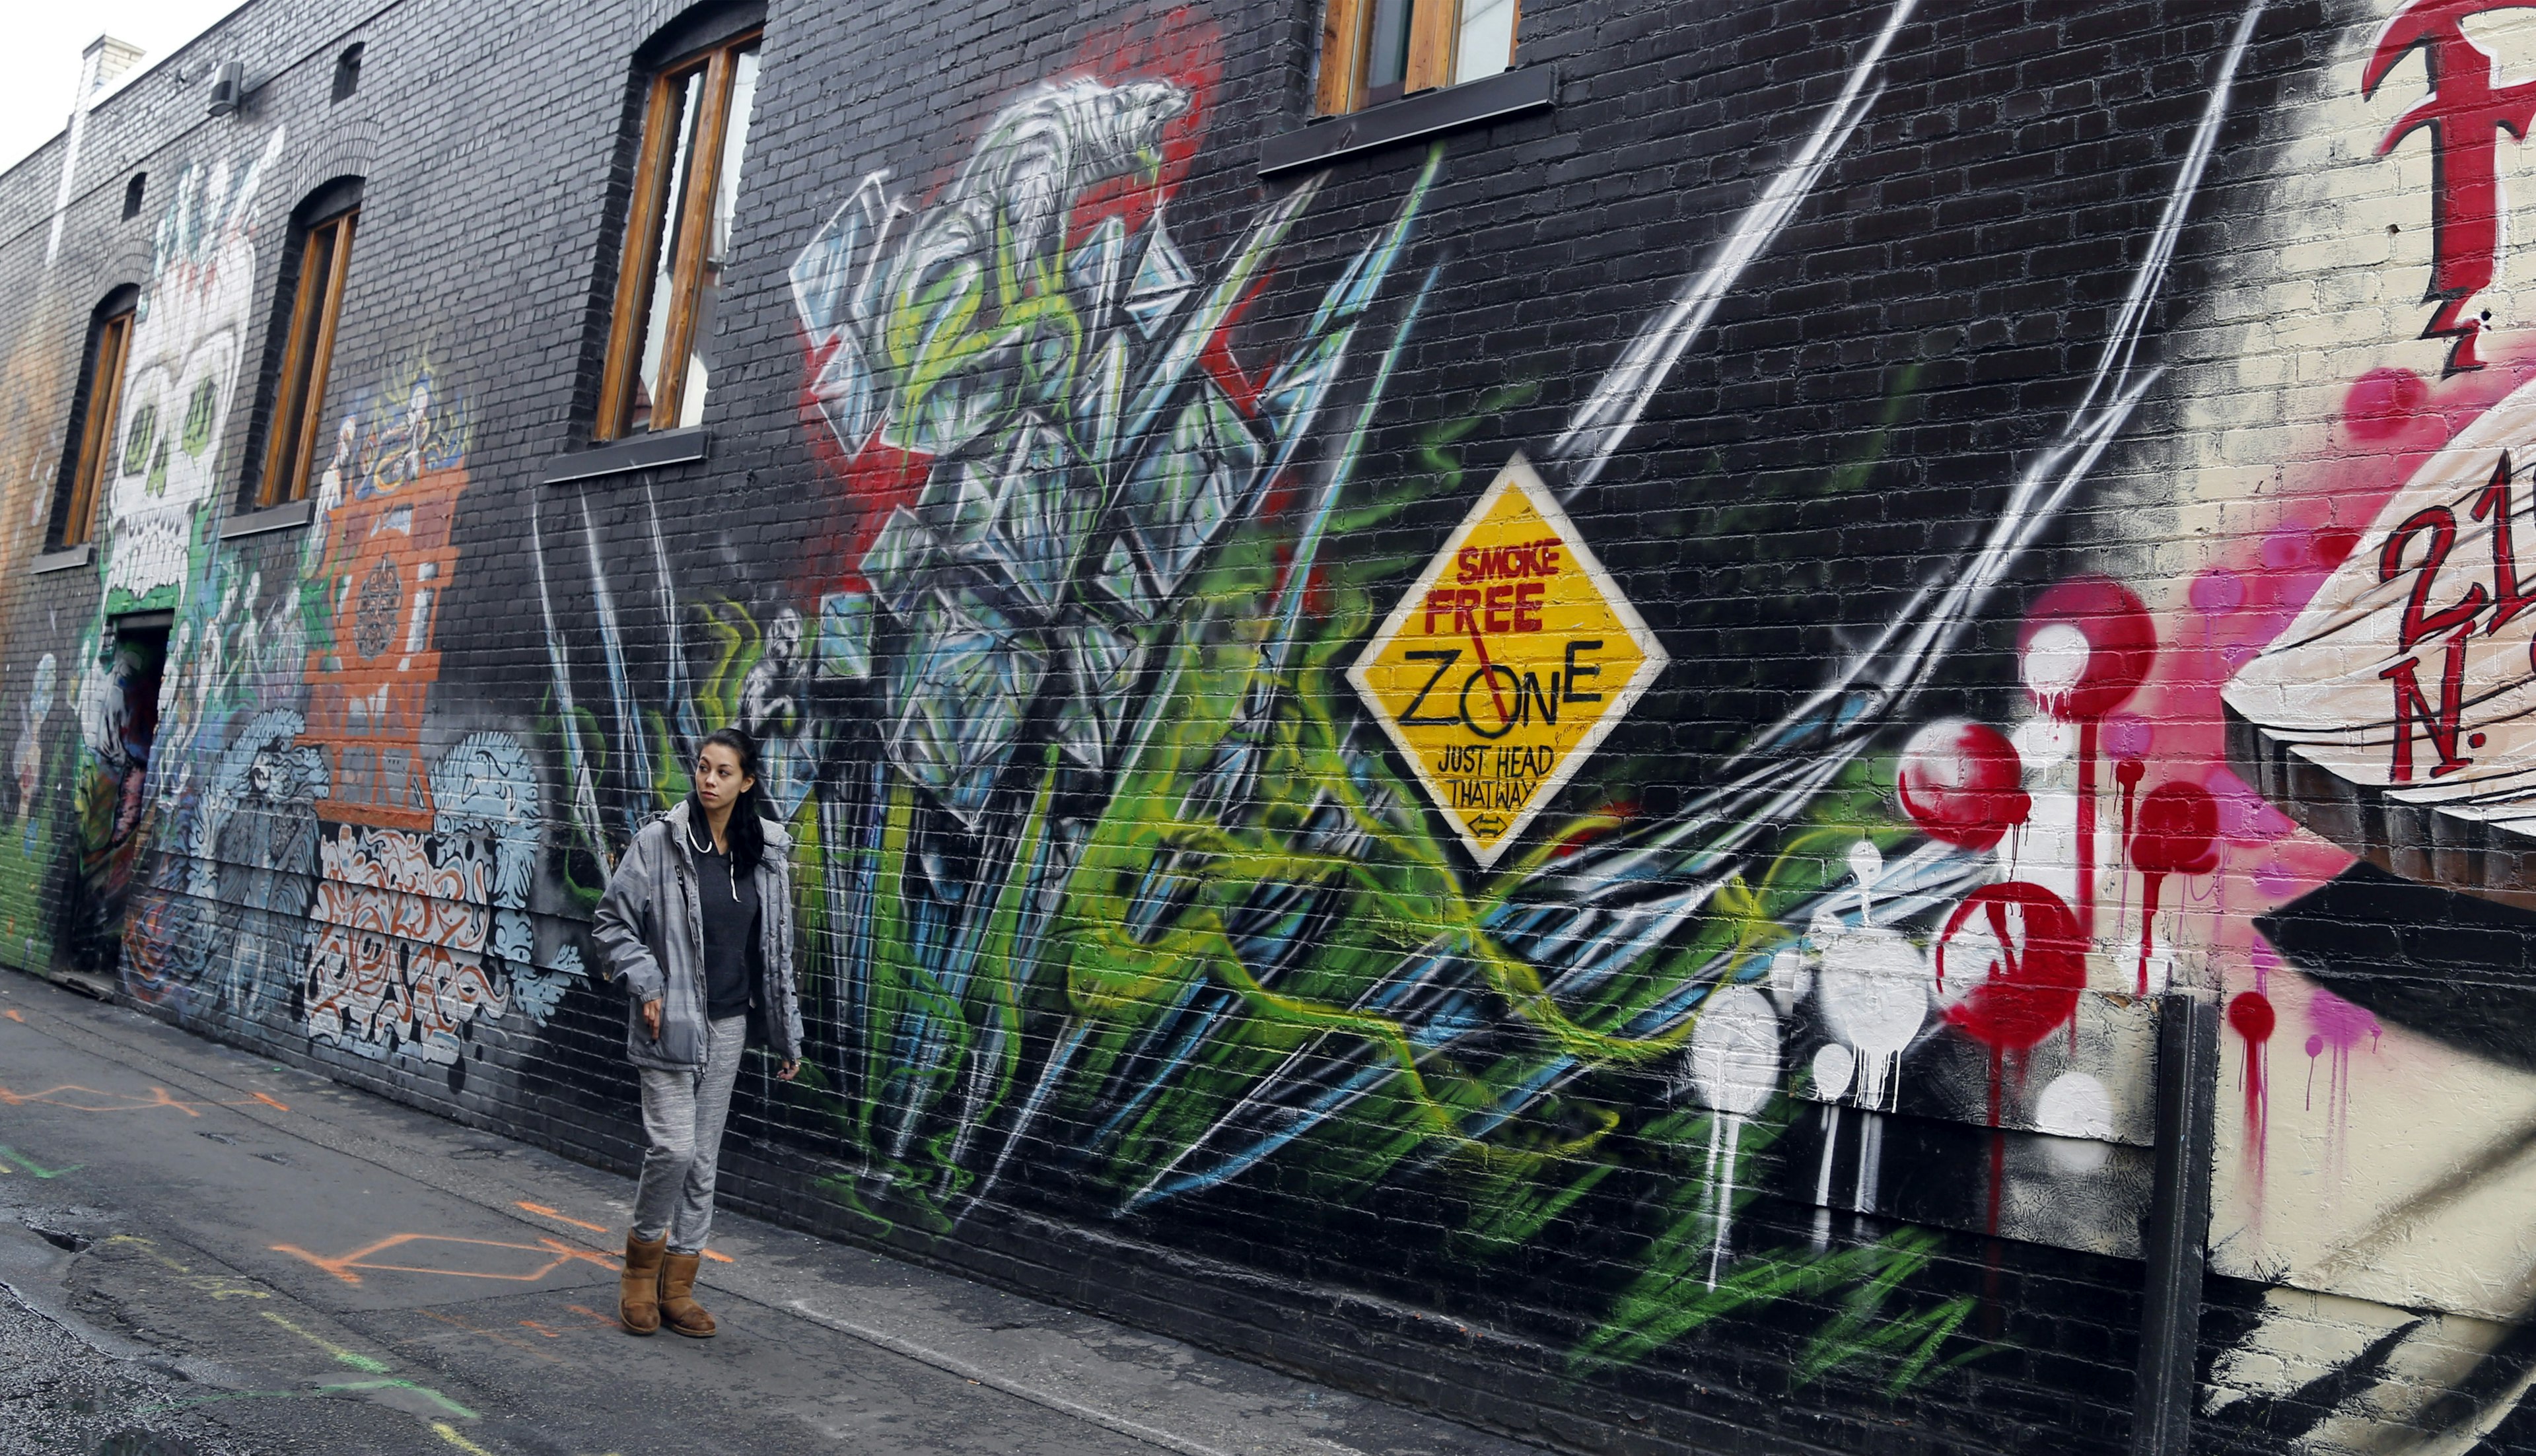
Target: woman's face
{"x":719,"y":781}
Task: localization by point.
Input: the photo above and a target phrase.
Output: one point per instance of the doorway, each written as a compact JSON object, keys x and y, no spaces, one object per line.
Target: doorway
{"x":111,"y":796}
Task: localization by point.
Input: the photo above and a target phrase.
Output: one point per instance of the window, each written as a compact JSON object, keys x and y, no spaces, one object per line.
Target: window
{"x":94,"y":411}
{"x":348,"y":72}
{"x":1379,"y":50}
{"x":132,"y":192}
{"x":313,"y":287}
{"x":677,"y":239}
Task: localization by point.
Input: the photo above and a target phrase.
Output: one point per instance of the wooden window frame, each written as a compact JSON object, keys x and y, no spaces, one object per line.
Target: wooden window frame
{"x":644,"y":218}
{"x":101,"y":405}
{"x":1434,"y":30}
{"x":307,"y":356}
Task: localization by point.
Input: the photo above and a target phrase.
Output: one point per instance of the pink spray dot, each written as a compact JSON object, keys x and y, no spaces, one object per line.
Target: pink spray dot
{"x":2127,"y":735}
{"x":2315,"y":1045}
{"x":2218,"y":592}
{"x":2276,"y":881}
{"x":2382,"y":401}
{"x":2338,"y":1020}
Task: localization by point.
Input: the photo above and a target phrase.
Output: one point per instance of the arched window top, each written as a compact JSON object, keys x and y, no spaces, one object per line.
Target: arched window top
{"x":326,"y":201}
{"x":699,"y":28}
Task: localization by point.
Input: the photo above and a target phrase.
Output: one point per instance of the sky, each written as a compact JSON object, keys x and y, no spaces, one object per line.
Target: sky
{"x":39,"y":69}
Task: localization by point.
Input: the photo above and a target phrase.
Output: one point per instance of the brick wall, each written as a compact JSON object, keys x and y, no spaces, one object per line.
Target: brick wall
{"x":2008,"y":434}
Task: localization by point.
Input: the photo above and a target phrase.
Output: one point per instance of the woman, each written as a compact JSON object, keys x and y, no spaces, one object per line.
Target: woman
{"x":698,"y":924}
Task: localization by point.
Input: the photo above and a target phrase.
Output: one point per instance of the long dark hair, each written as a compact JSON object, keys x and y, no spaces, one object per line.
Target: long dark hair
{"x":747,"y":817}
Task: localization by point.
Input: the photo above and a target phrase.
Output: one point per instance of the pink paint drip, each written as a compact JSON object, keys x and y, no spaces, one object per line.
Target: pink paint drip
{"x":2338,"y":1027}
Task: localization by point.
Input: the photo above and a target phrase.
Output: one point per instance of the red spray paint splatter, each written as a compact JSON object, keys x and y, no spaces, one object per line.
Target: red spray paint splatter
{"x":2035,"y":965}
{"x":1963,"y":784}
{"x":2120,"y":642}
{"x":2179,"y":830}
{"x":2250,"y":1016}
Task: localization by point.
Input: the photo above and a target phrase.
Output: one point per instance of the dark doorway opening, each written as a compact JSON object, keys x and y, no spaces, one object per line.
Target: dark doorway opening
{"x":111,"y":796}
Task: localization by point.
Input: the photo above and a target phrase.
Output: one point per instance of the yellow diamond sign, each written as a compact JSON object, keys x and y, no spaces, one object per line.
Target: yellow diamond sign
{"x":1509,"y":661}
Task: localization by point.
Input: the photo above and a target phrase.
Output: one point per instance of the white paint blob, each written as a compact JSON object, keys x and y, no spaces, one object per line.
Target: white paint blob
{"x":1734,"y":1067}
{"x":1834,"y":1064}
{"x":2079,"y":1112}
{"x":2054,"y":661}
{"x":1867,"y":867}
{"x":1791,"y":976}
{"x":1735,"y":1051}
{"x":1875,"y":987}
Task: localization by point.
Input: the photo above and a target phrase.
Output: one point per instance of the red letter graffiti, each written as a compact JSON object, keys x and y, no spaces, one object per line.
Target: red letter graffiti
{"x":2508,"y":597}
{"x":2440,"y":523}
{"x":2440,"y":722}
{"x":2465,"y":114}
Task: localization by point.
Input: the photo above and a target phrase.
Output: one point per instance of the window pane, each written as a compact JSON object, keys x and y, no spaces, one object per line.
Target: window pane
{"x":1386,"y":64}
{"x":685,"y":94}
{"x":743,"y":92}
{"x":316,"y":267}
{"x":1487,"y":44}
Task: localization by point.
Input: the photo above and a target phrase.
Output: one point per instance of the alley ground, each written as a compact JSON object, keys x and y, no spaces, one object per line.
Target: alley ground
{"x":205,"y":1253}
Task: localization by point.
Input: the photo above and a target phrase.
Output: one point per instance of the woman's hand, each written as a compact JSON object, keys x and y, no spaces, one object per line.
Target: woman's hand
{"x":785,"y":1073}
{"x":652,"y":1017}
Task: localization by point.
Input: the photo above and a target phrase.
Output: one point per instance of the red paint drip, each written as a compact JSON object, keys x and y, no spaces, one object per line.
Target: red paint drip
{"x":2087,"y":829}
{"x":2121,"y":647}
{"x":2035,"y":967}
{"x":2251,"y":1017}
{"x":2177,"y":834}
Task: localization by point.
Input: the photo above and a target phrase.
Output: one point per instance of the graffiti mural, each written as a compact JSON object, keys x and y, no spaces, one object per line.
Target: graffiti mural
{"x":323,"y":870}
{"x":189,"y":347}
{"x":1120,"y":888}
{"x":1526,"y":748}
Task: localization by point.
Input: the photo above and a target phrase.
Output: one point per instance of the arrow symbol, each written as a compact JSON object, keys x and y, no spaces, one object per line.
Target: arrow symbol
{"x":32,"y":1166}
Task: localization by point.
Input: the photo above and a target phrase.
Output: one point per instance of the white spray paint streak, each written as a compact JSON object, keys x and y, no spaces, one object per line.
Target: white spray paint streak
{"x":1608,"y":416}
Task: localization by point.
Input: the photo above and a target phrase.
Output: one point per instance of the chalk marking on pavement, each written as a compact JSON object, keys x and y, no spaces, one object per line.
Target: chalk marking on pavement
{"x":355,"y":1360}
{"x":449,"y":1433}
{"x":392,"y":1157}
{"x":157,"y":1098}
{"x":354,"y":1386}
{"x":496,"y":1336}
{"x":984,"y":1376}
{"x":343,"y":1265}
{"x":15,"y":1016}
{"x":12,"y":1155}
{"x":558,"y":1216}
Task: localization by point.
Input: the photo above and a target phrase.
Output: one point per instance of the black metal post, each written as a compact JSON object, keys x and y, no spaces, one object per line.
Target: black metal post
{"x":2179,"y":1225}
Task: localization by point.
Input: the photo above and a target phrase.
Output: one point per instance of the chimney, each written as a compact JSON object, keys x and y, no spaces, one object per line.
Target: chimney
{"x":105,"y":62}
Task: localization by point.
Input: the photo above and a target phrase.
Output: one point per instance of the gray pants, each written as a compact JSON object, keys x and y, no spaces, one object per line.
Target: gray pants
{"x":683,"y":1114}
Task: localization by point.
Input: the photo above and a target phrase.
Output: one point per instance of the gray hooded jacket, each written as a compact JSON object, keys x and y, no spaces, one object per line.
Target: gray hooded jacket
{"x":650,"y":930}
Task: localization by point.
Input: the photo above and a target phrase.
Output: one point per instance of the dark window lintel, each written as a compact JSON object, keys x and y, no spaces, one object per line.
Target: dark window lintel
{"x":1425,"y":114}
{"x":641,"y":452}
{"x":255,"y":523}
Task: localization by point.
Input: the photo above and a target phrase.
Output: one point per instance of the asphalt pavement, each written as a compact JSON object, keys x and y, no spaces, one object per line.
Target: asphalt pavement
{"x":205,"y":1253}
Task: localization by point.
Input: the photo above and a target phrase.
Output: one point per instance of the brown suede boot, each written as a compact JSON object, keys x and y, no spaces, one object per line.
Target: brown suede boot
{"x":678,"y":1307}
{"x":638,"y":1290}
